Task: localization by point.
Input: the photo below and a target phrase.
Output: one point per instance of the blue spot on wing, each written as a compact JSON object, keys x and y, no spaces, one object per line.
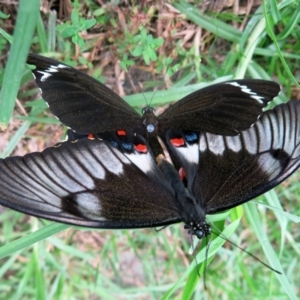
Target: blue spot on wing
{"x":114,"y":143}
{"x":191,"y":137}
{"x":127,"y":146}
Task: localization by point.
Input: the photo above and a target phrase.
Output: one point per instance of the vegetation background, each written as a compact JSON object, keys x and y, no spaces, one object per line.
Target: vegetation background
{"x":158,"y":51}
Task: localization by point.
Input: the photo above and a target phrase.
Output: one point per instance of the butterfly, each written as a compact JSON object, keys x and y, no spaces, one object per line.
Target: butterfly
{"x":113,"y":180}
{"x":87,"y":106}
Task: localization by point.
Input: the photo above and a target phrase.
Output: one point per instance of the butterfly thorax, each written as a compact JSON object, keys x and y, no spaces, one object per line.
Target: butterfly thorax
{"x":150,"y":121}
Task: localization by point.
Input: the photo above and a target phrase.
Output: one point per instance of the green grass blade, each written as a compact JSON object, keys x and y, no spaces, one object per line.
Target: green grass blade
{"x":14,"y":141}
{"x":214,"y":246}
{"x":168,"y":96}
{"x":32,"y":238}
{"x":26,"y":22}
{"x":253,"y":40}
{"x":270,"y":30}
{"x":257,"y":226}
{"x":41,"y":33}
{"x":213,"y":25}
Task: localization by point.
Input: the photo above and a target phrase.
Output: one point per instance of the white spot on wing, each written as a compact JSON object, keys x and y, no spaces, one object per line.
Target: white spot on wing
{"x":58,"y":169}
{"x":189,"y":153}
{"x":248,"y":91}
{"x":52,"y":69}
{"x":45,"y":75}
{"x":76,"y":168}
{"x":143,"y":161}
{"x":265,"y":136}
{"x":97,"y":157}
{"x":120,"y":155}
{"x":216,"y":144}
{"x":89,"y":206}
{"x":103,"y":154}
{"x":30,"y":191}
{"x":234,"y":143}
{"x":270,"y":165}
{"x":202,"y":142}
{"x":45,"y":176}
{"x":250,"y":140}
{"x":90,"y":163}
{"x":60,"y":66}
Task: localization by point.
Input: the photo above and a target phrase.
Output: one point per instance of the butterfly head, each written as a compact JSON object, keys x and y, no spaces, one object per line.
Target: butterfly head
{"x":199,"y":229}
{"x":150,"y":121}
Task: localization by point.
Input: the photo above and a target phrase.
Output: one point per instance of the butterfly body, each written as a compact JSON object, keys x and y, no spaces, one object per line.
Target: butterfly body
{"x":109,"y":174}
{"x":113,"y":179}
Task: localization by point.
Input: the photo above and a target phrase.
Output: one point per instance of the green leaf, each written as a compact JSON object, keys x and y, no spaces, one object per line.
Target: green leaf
{"x":88,"y":24}
{"x":3,"y":15}
{"x":146,"y":57}
{"x":152,"y":55}
{"x":138,"y":51}
{"x":70,"y":31}
{"x":75,"y":18}
{"x":6,"y":35}
{"x":99,"y":12}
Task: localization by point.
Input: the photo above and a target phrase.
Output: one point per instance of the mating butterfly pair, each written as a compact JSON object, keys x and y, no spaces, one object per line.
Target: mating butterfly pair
{"x":112,"y":179}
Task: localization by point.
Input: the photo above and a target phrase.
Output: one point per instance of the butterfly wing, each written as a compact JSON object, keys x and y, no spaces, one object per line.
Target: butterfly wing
{"x":231,"y":170}
{"x":89,"y":183}
{"x":80,"y":101}
{"x":224,"y":108}
{"x":87,"y":106}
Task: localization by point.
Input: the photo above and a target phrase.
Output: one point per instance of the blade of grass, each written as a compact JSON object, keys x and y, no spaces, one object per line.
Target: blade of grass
{"x":253,"y":39}
{"x":215,"y":245}
{"x":213,"y":25}
{"x":269,"y":28}
{"x":168,"y":96}
{"x":26,"y":22}
{"x":14,"y":141}
{"x":41,"y":33}
{"x":32,"y":238}
{"x":256,"y":224}
{"x":38,"y":277}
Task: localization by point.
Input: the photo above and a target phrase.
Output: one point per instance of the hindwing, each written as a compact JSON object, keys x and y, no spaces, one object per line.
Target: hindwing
{"x":89,"y":183}
{"x":230,"y":170}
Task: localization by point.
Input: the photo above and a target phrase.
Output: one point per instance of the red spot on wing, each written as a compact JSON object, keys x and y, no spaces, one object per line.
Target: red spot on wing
{"x":182,"y":174}
{"x":121,"y":132}
{"x":177,"y":142}
{"x":91,"y":136}
{"x":141,"y":148}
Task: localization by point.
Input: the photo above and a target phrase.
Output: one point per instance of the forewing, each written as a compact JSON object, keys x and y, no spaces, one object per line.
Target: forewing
{"x":233,"y":170}
{"x":223,"y":108}
{"x":88,"y":183}
{"x":80,"y":101}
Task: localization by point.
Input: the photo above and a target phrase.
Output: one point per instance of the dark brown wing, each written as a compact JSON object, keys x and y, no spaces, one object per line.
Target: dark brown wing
{"x":233,"y":170}
{"x":225,"y":108}
{"x":88,"y":183}
{"x":225,"y":171}
{"x":80,"y":101}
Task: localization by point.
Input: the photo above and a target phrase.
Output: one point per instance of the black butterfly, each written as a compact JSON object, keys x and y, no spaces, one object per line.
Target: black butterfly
{"x":112,"y":180}
{"x":87,"y":106}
